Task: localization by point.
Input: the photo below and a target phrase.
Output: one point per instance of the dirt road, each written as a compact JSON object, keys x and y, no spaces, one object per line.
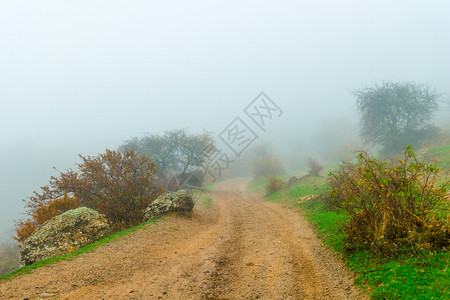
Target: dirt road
{"x":240,"y":248}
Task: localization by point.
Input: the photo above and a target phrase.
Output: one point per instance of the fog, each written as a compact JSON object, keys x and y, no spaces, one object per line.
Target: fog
{"x":77,"y":77}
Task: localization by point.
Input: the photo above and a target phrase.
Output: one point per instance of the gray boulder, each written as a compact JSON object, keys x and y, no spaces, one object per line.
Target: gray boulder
{"x":177,"y":201}
{"x":64,"y":234}
{"x":292,"y":181}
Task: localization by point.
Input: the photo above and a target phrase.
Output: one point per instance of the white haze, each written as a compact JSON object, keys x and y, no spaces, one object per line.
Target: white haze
{"x":77,"y":77}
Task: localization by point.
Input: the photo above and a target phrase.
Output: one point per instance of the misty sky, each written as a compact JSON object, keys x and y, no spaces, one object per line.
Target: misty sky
{"x":77,"y":77}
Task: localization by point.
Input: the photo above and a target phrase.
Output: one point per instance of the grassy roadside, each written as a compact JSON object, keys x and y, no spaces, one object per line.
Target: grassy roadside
{"x":207,"y":202}
{"x":421,"y":276}
{"x":442,"y":154}
{"x":257,"y":186}
{"x":424,"y":275}
{"x":72,"y":255}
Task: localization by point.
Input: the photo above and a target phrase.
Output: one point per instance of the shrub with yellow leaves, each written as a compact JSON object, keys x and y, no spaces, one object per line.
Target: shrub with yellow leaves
{"x":391,"y":206}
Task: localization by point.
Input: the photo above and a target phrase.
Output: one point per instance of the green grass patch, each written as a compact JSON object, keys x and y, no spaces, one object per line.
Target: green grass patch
{"x":326,"y":222}
{"x":442,"y":154}
{"x":297,"y":174}
{"x":421,"y":276}
{"x":278,"y":196}
{"x":72,"y":255}
{"x":307,"y":186}
{"x":257,"y":186}
{"x":207,"y":201}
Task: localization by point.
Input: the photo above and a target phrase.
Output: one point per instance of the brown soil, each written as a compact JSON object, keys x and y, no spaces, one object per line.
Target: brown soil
{"x":240,"y":248}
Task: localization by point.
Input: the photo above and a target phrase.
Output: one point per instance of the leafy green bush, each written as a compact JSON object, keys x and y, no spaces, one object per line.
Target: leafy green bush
{"x":390,"y":205}
{"x":274,"y":184}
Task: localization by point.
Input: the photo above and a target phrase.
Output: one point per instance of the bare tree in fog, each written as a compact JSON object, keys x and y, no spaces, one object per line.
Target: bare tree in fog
{"x":394,"y":114}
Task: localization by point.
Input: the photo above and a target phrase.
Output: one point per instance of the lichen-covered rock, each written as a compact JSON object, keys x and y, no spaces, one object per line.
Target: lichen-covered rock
{"x":292,"y":181}
{"x":177,"y":201}
{"x":64,"y":234}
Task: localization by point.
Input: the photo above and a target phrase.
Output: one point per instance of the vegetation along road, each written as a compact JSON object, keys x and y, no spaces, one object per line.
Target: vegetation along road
{"x":240,"y":247}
